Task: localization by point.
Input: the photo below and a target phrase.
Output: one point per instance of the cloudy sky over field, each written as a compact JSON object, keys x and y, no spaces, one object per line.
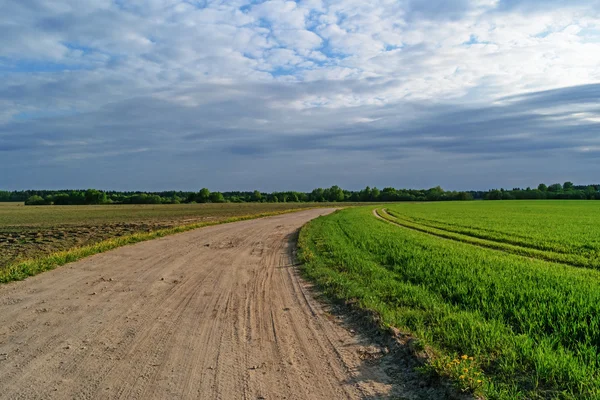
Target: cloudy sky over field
{"x":274,"y":95}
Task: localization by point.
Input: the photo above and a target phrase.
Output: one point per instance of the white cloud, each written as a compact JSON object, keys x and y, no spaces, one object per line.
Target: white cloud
{"x":345,"y":59}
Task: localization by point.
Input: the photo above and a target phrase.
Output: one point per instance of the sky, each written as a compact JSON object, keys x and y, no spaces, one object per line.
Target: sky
{"x":293,"y":95}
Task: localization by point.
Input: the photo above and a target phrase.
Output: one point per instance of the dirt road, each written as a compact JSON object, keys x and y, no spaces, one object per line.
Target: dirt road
{"x":215,"y":313}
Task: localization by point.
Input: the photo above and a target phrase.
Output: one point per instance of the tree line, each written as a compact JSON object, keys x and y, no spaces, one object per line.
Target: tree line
{"x":333,"y":194}
{"x":556,"y":191}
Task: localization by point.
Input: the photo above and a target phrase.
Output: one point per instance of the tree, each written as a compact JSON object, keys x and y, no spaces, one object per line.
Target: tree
{"x":217,"y":197}
{"x":35,"y":201}
{"x":464,"y":196}
{"x":336,"y":193}
{"x":256,"y":196}
{"x":435,"y":193}
{"x":556,"y":188}
{"x":62,"y":199}
{"x":154,"y":199}
{"x":203,"y":196}
{"x":93,"y":196}
{"x":590,"y":192}
{"x":317,"y":195}
{"x":494,"y":195}
{"x":365,"y":194}
{"x":375,"y":194}
{"x":542,"y":187}
{"x":568,"y":185}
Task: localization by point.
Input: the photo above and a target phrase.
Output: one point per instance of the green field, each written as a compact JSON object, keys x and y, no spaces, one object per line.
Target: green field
{"x":28,"y":232}
{"x":476,"y":280}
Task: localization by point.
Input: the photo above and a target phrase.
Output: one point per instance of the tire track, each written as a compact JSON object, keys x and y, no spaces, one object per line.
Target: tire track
{"x":527,"y":252}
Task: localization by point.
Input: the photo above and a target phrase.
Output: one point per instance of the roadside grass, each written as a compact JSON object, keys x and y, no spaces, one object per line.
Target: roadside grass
{"x":33,"y":232}
{"x":498,"y":325}
{"x":23,"y":269}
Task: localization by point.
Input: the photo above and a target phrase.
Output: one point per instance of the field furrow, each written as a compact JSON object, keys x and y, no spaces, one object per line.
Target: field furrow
{"x":522,"y":250}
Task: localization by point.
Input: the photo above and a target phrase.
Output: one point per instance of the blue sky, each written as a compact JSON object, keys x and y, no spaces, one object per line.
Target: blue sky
{"x":277,"y":95}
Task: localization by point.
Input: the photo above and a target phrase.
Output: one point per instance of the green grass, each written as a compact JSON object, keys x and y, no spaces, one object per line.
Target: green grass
{"x":531,"y":326}
{"x":23,"y":269}
{"x":506,"y":245}
{"x":567,"y":227}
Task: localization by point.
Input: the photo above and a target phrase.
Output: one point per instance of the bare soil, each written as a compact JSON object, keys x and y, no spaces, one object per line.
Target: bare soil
{"x":23,"y":242}
{"x":215,"y":313}
{"x":36,"y":231}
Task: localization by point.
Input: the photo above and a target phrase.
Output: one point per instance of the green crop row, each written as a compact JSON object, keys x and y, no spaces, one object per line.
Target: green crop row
{"x":561,"y":226}
{"x":501,"y":244}
{"x":530,"y":326}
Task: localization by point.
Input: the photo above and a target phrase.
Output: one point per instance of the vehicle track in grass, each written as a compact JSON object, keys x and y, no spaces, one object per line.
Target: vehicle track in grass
{"x":531,"y":253}
{"x":215,"y":313}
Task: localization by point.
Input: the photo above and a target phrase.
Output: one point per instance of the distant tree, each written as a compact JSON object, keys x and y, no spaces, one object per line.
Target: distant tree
{"x":154,"y":199}
{"x":435,"y":193}
{"x":556,"y":188}
{"x":464,"y":196}
{"x":203,"y":196}
{"x":590,"y":192}
{"x":93,"y":196}
{"x":506,"y":195}
{"x":35,"y":200}
{"x":336,"y":193}
{"x":494,"y":195}
{"x":568,"y":186}
{"x":217,"y":197}
{"x":256,"y":196}
{"x":62,"y":199}
{"x":317,"y":195}
{"x":303,"y":197}
{"x":365,"y":194}
{"x":375,"y":194}
{"x":542,"y":187}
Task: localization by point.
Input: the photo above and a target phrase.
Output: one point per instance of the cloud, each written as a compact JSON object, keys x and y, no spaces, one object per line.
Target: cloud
{"x":307,"y":93}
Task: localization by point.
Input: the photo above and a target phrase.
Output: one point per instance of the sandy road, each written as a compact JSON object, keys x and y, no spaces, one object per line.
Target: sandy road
{"x":215,"y":313}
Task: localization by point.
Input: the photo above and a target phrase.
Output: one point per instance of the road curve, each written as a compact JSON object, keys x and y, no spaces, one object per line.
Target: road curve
{"x":215,"y":313}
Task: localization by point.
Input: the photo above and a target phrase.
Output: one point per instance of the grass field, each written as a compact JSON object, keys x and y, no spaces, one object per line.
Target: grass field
{"x":562,"y":231}
{"x":28,"y":232}
{"x":478,"y":284}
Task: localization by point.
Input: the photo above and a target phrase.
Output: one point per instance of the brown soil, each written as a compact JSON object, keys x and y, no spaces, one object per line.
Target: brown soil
{"x":215,"y":313}
{"x":24,"y":242}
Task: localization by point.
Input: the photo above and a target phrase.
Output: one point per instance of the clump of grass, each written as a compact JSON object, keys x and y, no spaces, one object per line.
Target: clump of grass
{"x":464,"y":370}
{"x":26,"y":268}
{"x":530,"y":325}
